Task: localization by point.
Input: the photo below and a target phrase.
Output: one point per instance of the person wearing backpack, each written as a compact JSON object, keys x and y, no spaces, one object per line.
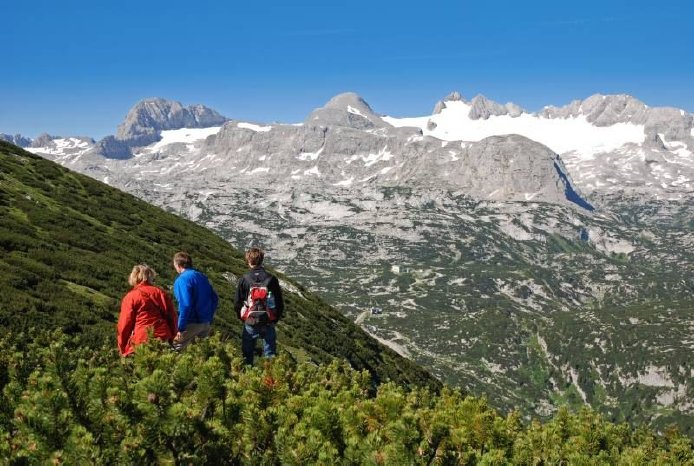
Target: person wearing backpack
{"x":145,"y":308}
{"x":259,"y":305}
{"x":197,"y":301}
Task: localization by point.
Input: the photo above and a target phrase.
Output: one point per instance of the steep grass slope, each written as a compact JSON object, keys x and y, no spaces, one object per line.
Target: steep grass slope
{"x":68,"y":243}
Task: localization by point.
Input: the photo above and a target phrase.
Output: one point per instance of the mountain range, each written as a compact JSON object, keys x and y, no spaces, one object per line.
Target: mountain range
{"x":539,"y":258}
{"x":606,"y":143}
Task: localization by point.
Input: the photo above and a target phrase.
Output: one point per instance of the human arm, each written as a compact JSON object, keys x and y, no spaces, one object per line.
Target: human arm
{"x":274,"y":287}
{"x":126,"y":324}
{"x":171,"y":317}
{"x":240,"y":297}
{"x":184,"y":295}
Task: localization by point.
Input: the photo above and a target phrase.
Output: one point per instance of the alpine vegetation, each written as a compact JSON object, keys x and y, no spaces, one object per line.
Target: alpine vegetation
{"x":543,"y":259}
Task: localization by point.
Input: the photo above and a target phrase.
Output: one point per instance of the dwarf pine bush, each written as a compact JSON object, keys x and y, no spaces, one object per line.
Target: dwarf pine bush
{"x":65,"y":403}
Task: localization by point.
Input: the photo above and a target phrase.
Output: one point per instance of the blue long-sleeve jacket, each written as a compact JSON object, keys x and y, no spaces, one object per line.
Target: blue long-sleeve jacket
{"x":197,"y":300}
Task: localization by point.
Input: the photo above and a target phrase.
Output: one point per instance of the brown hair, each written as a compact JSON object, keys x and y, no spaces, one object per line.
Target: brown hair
{"x":141,"y":273}
{"x":183,"y":259}
{"x":254,"y":257}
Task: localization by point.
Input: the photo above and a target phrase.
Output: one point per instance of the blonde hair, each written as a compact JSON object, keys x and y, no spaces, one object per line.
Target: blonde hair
{"x":141,"y":273}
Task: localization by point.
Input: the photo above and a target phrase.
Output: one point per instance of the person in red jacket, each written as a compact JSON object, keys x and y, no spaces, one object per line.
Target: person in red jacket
{"x":145,"y":307}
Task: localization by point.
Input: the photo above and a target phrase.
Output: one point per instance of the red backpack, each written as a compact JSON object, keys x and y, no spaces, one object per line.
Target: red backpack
{"x":259,"y":307}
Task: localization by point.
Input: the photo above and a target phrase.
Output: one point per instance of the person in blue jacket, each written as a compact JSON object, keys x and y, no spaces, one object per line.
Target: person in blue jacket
{"x":197,"y":301}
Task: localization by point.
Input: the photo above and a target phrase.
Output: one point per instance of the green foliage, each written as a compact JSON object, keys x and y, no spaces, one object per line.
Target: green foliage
{"x":68,"y":243}
{"x":63,"y":402}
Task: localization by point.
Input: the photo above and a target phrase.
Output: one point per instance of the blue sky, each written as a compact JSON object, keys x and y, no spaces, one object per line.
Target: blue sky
{"x":75,"y":68}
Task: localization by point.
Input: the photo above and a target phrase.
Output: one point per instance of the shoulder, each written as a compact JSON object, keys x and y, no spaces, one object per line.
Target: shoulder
{"x":184,"y":277}
{"x":157,"y":290}
{"x":151,"y":290}
{"x":133,"y":296}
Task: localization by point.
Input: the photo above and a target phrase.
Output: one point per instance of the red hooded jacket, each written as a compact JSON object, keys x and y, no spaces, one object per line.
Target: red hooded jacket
{"x":144,"y":307}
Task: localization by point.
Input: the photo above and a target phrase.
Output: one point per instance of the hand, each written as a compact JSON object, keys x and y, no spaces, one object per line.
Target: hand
{"x":178,"y":337}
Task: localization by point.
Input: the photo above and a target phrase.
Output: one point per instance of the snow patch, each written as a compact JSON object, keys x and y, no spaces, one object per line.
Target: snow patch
{"x":256,"y":128}
{"x":259,"y":170}
{"x":356,"y":111}
{"x":312,"y":171}
{"x":310,"y":155}
{"x":345,"y":182}
{"x":187,"y":136}
{"x":382,"y":155}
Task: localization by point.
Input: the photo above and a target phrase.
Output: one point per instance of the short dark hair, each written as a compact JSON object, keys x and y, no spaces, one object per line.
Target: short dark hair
{"x":183,"y":259}
{"x":255,"y":256}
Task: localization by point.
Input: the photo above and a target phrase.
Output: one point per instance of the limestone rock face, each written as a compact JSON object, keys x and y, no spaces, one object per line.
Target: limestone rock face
{"x":42,"y":140}
{"x":483,"y":108}
{"x":148,"y":117}
{"x":346,"y":144}
{"x":347,"y":109}
{"x":608,"y":110}
{"x":17,"y":139}
{"x":113,"y":148}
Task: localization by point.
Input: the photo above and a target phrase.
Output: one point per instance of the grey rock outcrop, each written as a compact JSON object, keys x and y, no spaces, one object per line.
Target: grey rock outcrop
{"x":113,"y":148}
{"x":514,"y":110}
{"x":347,"y":109}
{"x":148,"y":117}
{"x":44,"y":140}
{"x":482,"y":108}
{"x":346,"y":144}
{"x":499,"y":168}
{"x":602,"y":110}
{"x":17,"y":139}
{"x":607,"y":110}
{"x":438,"y":108}
{"x":454,"y":96}
{"x":653,"y":141}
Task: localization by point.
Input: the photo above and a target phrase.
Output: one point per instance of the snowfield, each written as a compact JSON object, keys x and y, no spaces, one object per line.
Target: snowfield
{"x":184,"y":135}
{"x":561,"y":135}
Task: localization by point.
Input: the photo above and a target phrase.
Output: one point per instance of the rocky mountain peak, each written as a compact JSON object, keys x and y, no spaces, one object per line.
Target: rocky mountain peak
{"x":148,"y":117}
{"x":346,"y":109}
{"x":17,"y":139}
{"x":453,"y":97}
{"x":482,"y":108}
{"x":42,"y":140}
{"x":602,"y":110}
{"x":349,"y":99}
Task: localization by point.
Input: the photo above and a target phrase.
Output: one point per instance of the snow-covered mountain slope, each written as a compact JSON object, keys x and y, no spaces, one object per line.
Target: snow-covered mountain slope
{"x":188,"y":138}
{"x":343,"y":144}
{"x":562,"y":135}
{"x":608,"y":143}
{"x":67,"y":150}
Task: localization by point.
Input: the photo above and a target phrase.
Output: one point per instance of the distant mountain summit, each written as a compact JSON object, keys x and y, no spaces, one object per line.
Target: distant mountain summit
{"x":148,"y":117}
{"x":607,"y":110}
{"x":347,"y":109}
{"x":605,"y":143}
{"x":480,"y":107}
{"x":17,"y":139}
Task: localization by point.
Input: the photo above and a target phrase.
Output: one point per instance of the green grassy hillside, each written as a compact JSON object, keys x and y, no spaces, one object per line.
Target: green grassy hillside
{"x":69,"y":242}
